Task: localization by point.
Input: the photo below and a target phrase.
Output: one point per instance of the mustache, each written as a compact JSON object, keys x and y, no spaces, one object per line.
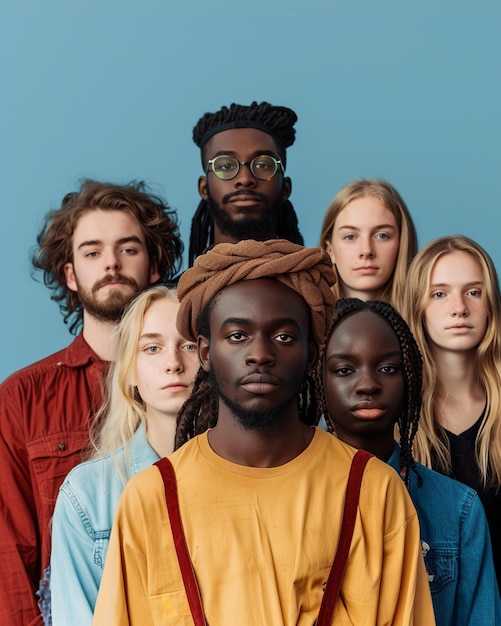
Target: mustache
{"x":246,"y":193}
{"x":114,"y":278}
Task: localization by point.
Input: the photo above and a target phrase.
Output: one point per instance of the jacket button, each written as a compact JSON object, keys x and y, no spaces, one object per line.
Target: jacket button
{"x":61,"y":447}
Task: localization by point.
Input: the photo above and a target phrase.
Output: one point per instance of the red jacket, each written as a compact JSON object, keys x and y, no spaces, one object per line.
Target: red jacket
{"x":45,"y":412}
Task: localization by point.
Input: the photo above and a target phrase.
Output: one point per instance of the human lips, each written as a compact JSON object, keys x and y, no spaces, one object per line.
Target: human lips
{"x":367,"y":411}
{"x":175,"y":387}
{"x":460,"y":327}
{"x":259,"y":383}
{"x":244,"y":198}
{"x":113,"y":281}
{"x":367,"y":269}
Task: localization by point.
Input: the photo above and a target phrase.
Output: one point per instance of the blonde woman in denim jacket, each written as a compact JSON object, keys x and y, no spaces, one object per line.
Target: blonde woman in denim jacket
{"x":152,"y":375}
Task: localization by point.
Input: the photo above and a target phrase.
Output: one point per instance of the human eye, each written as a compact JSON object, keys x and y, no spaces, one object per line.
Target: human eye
{"x":151,"y":349}
{"x":390,"y":369}
{"x":236,"y":336}
{"x":225,"y":164}
{"x":342,"y":370}
{"x":349,"y":237}
{"x":91,"y":254}
{"x":264,"y":163}
{"x":338,"y":368}
{"x":437,"y":295}
{"x":474,"y":293}
{"x":382,"y":236}
{"x":284,"y":338}
{"x":189,"y":347}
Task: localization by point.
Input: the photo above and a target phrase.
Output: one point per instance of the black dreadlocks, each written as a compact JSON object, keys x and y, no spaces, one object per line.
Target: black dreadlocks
{"x":199,"y":412}
{"x":412,"y":369}
{"x":275,"y":120}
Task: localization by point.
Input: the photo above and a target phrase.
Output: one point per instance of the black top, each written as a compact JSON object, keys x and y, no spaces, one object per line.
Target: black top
{"x":466,"y":470}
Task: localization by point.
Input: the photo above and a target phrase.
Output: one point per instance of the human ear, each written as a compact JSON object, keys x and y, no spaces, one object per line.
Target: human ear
{"x":203,"y":353}
{"x":154,"y":273}
{"x":312,"y":355}
{"x":69,"y":275}
{"x":330,"y":251}
{"x":203,"y":188}
{"x":286,"y":188}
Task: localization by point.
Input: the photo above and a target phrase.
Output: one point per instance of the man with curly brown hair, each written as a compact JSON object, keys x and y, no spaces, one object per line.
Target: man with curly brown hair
{"x":105,"y":244}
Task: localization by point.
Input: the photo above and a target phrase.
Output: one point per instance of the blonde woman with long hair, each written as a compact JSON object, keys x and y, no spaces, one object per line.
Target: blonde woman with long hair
{"x":150,"y":378}
{"x":453,"y":306}
{"x":369,"y":234}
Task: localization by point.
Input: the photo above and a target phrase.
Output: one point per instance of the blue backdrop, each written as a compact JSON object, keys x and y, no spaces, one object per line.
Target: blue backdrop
{"x":406,"y":90}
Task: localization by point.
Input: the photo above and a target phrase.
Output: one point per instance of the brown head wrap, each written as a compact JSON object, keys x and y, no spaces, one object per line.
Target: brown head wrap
{"x":308,"y":271}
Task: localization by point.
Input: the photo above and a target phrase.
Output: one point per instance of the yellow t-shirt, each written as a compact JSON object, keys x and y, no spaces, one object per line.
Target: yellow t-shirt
{"x":262,"y":543}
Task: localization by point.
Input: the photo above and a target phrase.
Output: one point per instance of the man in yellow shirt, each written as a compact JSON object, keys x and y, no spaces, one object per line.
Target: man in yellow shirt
{"x":261,"y":492}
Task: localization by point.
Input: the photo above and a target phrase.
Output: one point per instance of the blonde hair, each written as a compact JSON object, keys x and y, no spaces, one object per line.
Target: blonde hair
{"x":431,"y":442}
{"x":123,"y":410}
{"x":408,"y":244}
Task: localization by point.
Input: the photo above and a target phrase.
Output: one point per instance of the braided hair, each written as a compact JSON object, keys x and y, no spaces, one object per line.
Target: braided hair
{"x":278,"y":122}
{"x":412,"y":370}
{"x":200,"y":410}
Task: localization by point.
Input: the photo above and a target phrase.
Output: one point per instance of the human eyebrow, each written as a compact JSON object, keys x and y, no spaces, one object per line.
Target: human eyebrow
{"x":384,"y":226}
{"x":276,"y":323}
{"x":439,"y":286}
{"x":386,"y":355}
{"x":235,"y":321}
{"x":374,"y":228}
{"x":284,"y":321}
{"x":121,"y":241}
{"x":348,"y":227}
{"x":256,"y":153}
{"x":475,"y":283}
{"x":149,"y":336}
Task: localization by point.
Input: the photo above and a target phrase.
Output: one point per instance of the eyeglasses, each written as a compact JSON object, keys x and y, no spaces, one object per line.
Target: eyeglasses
{"x":226,"y":167}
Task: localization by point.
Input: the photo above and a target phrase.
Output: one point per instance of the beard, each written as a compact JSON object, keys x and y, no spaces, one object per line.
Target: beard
{"x":249,"y":227}
{"x":109,"y":309}
{"x":264,"y":421}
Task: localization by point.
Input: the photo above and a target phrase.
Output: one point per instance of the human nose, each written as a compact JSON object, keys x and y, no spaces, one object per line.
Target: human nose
{"x":260,"y":352}
{"x":366,"y":248}
{"x":112,"y":261}
{"x":368,"y":384}
{"x":244,"y":177}
{"x":173,"y":362}
{"x":458,"y":306}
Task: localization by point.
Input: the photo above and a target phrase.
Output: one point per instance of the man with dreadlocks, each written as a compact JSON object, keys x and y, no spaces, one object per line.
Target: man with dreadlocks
{"x":241,"y":524}
{"x":245,"y":193}
{"x":372,"y":380}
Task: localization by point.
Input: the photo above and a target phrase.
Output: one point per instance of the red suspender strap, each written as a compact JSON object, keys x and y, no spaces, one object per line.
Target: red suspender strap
{"x":183,"y":556}
{"x":331,"y":592}
{"x":337,"y":570}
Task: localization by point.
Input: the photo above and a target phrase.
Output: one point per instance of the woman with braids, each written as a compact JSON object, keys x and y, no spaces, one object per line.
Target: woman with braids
{"x":453,"y":306}
{"x":371,"y":239}
{"x":372,"y":380}
{"x":260,"y":494}
{"x":150,"y":378}
{"x":244,"y":190}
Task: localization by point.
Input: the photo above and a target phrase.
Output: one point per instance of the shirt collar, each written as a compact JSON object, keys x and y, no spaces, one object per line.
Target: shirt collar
{"x":141,"y":453}
{"x":79,"y":353}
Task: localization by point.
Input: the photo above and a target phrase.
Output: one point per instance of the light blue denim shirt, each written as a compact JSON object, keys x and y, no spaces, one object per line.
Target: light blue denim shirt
{"x":82,"y":523}
{"x":456,"y":548}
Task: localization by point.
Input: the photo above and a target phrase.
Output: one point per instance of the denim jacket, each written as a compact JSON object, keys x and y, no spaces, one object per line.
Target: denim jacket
{"x":456,"y":547}
{"x":81,"y":528}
